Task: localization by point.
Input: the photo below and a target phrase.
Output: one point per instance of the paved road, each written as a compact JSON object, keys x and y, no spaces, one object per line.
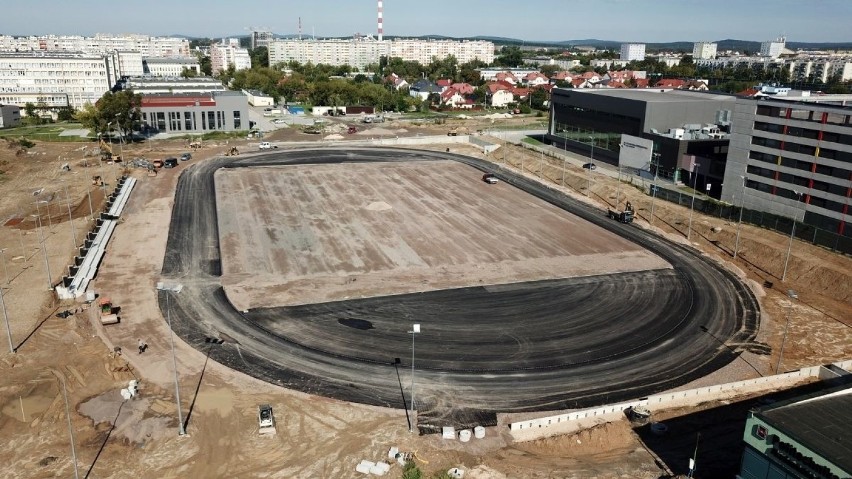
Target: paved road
{"x":520,"y":347}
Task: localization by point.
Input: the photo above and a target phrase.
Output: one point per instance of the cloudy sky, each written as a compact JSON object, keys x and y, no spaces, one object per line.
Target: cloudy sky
{"x":552,"y":20}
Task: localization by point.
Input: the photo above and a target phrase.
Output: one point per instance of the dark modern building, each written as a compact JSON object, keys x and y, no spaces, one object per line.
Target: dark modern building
{"x":807,"y":437}
{"x":679,"y":122}
{"x":195,"y":112}
{"x":795,"y":158}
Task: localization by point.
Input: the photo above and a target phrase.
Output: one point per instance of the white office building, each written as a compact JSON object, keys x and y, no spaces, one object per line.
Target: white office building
{"x":57,"y":79}
{"x":704,"y":50}
{"x":362,"y":51}
{"x":229,"y":53}
{"x":773,"y":48}
{"x":632,"y":52}
{"x":169,"y":66}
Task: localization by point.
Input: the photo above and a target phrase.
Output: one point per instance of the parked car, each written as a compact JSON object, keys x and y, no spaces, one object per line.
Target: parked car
{"x":489,"y":178}
{"x":590,"y":166}
{"x":186,"y":156}
{"x":170,"y":163}
{"x":265,"y":145}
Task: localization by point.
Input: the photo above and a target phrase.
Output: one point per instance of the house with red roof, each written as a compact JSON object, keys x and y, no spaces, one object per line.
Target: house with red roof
{"x":463,"y":88}
{"x":444,"y":82}
{"x":396,"y":81}
{"x":562,"y":76}
{"x":670,"y":83}
{"x":536,"y":79}
{"x":508,"y":77}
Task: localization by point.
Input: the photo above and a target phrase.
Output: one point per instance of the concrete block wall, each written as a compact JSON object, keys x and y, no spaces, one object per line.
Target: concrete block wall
{"x":532,"y":429}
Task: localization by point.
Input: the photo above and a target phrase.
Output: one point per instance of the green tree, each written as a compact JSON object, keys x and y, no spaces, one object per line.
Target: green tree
{"x":66,"y":113}
{"x":188,"y":73}
{"x":206,"y":65}
{"x":538,"y":97}
{"x":549,"y":70}
{"x":509,"y":57}
{"x":259,"y":57}
{"x":33,"y":117}
{"x":119,"y":110}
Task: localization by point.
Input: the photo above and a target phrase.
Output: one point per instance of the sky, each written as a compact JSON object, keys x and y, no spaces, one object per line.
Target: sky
{"x":647,"y":21}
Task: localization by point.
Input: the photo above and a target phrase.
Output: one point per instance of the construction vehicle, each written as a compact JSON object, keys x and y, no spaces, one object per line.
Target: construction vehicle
{"x":158,"y":164}
{"x":625,"y":216}
{"x":232,"y":152}
{"x":265,"y":419}
{"x":312,"y":130}
{"x":152,"y":171}
{"x":106,"y":152}
{"x":108,"y":315}
{"x":195,"y":145}
{"x":97,"y":181}
{"x":170,"y":163}
{"x":458,"y":130}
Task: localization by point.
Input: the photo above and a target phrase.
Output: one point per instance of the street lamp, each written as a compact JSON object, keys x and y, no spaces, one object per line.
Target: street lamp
{"x":168,"y":290}
{"x":5,"y":271}
{"x":792,"y":295}
{"x":740,"y":221}
{"x":618,"y":186}
{"x":414,"y":331}
{"x":70,"y":218}
{"x":792,"y":233}
{"x":656,"y":165}
{"x":692,"y":205}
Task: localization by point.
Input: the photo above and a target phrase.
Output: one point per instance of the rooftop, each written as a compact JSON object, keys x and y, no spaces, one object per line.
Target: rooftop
{"x":821,"y":423}
{"x":652,"y":95}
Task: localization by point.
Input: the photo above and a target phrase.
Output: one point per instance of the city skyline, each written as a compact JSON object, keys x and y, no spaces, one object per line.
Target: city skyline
{"x":549,"y":20}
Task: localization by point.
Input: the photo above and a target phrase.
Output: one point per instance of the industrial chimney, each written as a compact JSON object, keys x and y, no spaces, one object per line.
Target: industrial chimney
{"x":381,"y":30}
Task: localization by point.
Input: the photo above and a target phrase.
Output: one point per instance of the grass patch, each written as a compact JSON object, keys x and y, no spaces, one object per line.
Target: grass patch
{"x":532,"y":141}
{"x":48,"y":132}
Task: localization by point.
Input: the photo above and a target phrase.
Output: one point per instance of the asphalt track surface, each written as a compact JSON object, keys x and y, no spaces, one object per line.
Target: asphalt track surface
{"x":529,"y":346}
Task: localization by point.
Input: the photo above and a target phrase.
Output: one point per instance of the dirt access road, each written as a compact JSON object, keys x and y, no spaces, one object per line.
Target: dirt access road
{"x":319,"y":437}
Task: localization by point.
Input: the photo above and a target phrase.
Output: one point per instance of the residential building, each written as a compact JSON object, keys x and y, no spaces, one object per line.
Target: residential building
{"x":608,"y":64}
{"x":679,"y":122}
{"x":56,"y":79}
{"x":423,"y":88}
{"x":130,"y":63}
{"x":261,"y":38}
{"x":704,"y":50}
{"x":361,"y":51}
{"x":229,"y":53}
{"x":667,"y":60}
{"x":499,"y":97}
{"x":195,"y":113}
{"x":101,"y":43}
{"x":492,"y":74}
{"x":773,"y":48}
{"x":170,"y":66}
{"x":632,"y":52}
{"x":804,"y":437}
{"x":796,"y":157}
{"x":542,"y":61}
{"x":10,"y":116}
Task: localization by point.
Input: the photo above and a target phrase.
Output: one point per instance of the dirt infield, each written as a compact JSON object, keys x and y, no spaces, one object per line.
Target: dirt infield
{"x":308,"y":233}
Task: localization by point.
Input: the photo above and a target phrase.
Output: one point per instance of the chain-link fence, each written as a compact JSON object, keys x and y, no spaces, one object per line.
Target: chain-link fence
{"x":781,"y":224}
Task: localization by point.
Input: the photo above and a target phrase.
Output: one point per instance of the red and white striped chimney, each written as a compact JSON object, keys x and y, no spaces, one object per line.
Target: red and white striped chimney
{"x":381,"y":29}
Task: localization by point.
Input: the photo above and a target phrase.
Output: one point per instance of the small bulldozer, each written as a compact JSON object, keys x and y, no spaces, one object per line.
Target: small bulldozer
{"x":233,"y":151}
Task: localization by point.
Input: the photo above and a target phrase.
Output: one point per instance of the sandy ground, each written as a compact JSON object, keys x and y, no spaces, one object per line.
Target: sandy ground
{"x":328,"y":232}
{"x":317,"y":437}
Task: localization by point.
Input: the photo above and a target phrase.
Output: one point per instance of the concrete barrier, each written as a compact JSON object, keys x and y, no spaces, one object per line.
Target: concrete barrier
{"x":565,"y":423}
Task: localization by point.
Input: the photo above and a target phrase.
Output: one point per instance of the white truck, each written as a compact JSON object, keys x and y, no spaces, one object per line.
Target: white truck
{"x":265,"y":145}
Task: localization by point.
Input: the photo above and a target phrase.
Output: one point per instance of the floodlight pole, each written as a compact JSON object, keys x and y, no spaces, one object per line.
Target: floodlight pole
{"x":414,"y":330}
{"x":740,"y":221}
{"x":692,"y":205}
{"x":654,"y":193}
{"x":591,"y":164}
{"x":168,"y":291}
{"x":70,"y":217}
{"x":70,"y":428}
{"x":792,"y":295}
{"x":792,"y":233}
{"x":6,"y":319}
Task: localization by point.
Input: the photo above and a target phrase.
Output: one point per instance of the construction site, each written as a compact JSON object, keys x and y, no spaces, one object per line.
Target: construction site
{"x":354,"y":240}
